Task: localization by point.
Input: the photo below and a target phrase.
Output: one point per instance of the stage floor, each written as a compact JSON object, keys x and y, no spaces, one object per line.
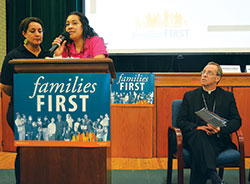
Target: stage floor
{"x":7,"y":160}
{"x":126,"y":170}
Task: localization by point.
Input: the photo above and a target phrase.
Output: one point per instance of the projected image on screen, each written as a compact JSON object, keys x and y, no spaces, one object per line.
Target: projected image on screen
{"x":138,"y":26}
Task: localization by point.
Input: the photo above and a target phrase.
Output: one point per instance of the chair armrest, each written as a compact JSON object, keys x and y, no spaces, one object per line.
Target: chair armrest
{"x":179,"y":141}
{"x":240,"y":140}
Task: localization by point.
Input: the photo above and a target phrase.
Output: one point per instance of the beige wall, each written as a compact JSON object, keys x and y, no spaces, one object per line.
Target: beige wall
{"x":3,"y":32}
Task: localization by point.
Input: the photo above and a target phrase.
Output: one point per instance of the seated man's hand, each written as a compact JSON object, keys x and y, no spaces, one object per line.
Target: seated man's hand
{"x":209,"y":129}
{"x":204,"y":128}
{"x":213,"y":129}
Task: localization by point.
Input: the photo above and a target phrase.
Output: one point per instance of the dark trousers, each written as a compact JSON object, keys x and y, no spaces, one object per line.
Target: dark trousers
{"x":203,"y":149}
{"x":10,"y":120}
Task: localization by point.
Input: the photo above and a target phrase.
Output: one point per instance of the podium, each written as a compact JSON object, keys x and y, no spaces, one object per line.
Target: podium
{"x":58,"y":164}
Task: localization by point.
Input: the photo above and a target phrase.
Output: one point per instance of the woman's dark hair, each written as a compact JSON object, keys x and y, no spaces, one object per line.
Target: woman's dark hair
{"x":88,"y":31}
{"x":24,"y":25}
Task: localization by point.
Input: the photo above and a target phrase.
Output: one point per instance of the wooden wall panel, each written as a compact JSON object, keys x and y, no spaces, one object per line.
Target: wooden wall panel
{"x":132,"y":130}
{"x":193,"y":79}
{"x":165,"y":97}
{"x":241,"y":95}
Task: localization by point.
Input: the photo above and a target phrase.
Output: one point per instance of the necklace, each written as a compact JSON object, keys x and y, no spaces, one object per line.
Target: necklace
{"x":205,"y":103}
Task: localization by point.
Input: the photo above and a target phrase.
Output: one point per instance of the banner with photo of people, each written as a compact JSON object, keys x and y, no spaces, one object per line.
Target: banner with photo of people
{"x":133,"y":88}
{"x":62,"y":109}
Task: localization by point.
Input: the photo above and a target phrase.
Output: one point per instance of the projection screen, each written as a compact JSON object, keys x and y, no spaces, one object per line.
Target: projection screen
{"x":171,"y":26}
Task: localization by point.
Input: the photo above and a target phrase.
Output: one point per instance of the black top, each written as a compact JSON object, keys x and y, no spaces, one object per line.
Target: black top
{"x":225,"y":106}
{"x":18,"y":53}
{"x":8,"y":70}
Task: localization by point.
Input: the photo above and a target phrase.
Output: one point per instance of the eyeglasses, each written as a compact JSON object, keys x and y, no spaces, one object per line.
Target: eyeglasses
{"x":210,"y":73}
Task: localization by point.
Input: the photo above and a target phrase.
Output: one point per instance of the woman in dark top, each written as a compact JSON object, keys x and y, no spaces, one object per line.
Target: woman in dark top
{"x":31,"y":31}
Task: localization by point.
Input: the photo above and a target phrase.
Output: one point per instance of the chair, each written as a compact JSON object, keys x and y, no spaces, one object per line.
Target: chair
{"x":228,"y":158}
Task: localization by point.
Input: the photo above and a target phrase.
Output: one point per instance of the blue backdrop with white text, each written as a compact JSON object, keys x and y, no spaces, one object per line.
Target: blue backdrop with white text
{"x":133,"y":88}
{"x":62,"y":106}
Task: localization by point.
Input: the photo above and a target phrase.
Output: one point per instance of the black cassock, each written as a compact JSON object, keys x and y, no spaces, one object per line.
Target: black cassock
{"x":205,"y":148}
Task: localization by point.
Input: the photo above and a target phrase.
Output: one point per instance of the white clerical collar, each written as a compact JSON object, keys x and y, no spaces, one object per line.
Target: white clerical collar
{"x":208,"y":91}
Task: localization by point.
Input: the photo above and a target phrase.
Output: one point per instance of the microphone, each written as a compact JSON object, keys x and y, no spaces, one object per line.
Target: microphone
{"x":65,"y":36}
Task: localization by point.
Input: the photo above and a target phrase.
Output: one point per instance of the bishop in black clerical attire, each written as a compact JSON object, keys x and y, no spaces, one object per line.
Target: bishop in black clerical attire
{"x":203,"y":140}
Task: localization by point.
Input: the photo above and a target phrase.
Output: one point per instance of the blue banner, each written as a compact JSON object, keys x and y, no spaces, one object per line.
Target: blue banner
{"x":133,"y":88}
{"x":62,"y":107}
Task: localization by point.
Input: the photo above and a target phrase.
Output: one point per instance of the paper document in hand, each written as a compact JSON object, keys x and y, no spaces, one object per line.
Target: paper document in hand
{"x":211,"y":118}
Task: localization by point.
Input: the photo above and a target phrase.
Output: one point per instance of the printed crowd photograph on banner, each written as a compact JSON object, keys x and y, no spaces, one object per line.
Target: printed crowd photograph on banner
{"x":65,"y":109}
{"x":133,"y":88}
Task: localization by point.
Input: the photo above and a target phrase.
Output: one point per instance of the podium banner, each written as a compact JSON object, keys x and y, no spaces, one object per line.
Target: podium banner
{"x":133,"y":88}
{"x":62,"y":109}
